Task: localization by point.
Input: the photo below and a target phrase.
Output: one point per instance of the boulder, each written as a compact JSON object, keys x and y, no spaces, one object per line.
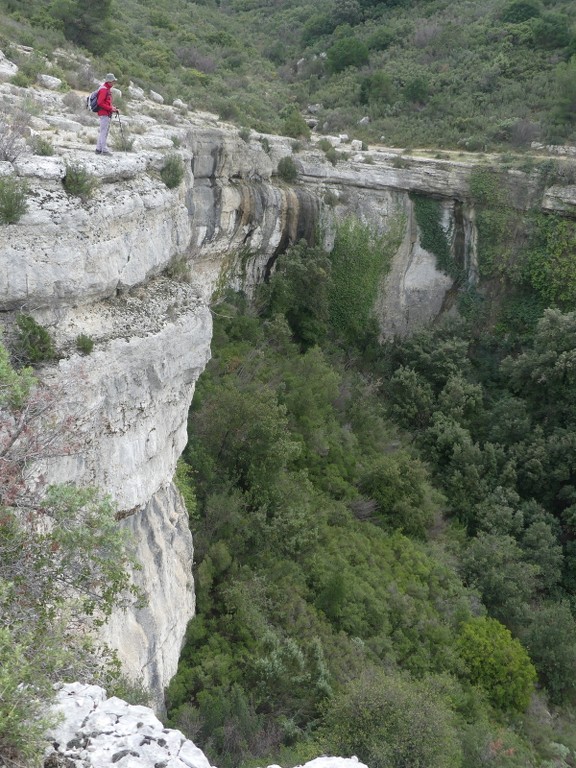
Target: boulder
{"x":50,"y":82}
{"x":7,"y":68}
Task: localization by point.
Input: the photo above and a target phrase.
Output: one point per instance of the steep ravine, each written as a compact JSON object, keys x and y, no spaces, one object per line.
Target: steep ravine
{"x":135,"y":267}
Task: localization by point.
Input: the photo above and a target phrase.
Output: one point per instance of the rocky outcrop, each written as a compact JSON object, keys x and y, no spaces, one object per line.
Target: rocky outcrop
{"x":134,"y":267}
{"x":100,"y":732}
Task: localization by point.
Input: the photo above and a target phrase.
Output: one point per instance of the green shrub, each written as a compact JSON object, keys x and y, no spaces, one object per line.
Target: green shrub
{"x":172,"y":172}
{"x":33,"y":342}
{"x":287,"y":169}
{"x":41,"y":146}
{"x":347,"y":52}
{"x":26,"y":693}
{"x":295,"y":126}
{"x":432,"y":235}
{"x":520,"y":10}
{"x":324,"y":144}
{"x":244,"y":134}
{"x":178,"y":269}
{"x":332,"y":156}
{"x":83,"y":549}
{"x":498,"y":663}
{"x":359,"y":259}
{"x":79,"y":182}
{"x":84,"y":344}
{"x":22,"y":80}
{"x":391,"y":721}
{"x":12,"y":199}
{"x":550,"y":266}
{"x":122,"y":141}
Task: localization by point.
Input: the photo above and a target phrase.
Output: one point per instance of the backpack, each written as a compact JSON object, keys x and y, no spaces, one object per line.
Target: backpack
{"x":92,"y":100}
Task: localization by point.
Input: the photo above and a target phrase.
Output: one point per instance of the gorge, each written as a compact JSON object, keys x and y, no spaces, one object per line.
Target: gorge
{"x":136,"y":267}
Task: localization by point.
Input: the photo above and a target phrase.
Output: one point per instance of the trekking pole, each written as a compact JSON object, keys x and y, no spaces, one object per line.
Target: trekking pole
{"x":121,"y":131}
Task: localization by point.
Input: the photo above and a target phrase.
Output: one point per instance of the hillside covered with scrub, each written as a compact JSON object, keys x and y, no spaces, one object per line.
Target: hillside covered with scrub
{"x":429,"y":73}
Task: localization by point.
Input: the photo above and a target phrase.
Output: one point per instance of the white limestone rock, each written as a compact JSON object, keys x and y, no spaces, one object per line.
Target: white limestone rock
{"x":7,"y":68}
{"x":6,"y":168}
{"x":62,"y":123}
{"x":51,"y":168}
{"x":38,"y":123}
{"x":153,"y":142}
{"x":97,"y":732}
{"x":128,"y":401}
{"x":49,"y":81}
{"x":561,"y":199}
{"x":334,"y":762}
{"x":132,"y":395}
{"x":156,"y":97}
{"x":135,"y":93}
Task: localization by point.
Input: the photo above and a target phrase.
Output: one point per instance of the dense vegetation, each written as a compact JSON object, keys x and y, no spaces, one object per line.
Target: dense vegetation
{"x":384,"y":535}
{"x":432,"y":73}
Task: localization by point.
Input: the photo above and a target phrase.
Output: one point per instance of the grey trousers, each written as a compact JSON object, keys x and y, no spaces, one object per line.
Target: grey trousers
{"x":105,"y":121}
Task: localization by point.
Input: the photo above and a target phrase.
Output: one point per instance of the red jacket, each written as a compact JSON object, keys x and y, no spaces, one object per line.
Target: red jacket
{"x":104,"y":100}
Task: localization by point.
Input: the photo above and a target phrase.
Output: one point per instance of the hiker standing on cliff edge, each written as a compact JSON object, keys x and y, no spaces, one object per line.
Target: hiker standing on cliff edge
{"x":105,"y":111}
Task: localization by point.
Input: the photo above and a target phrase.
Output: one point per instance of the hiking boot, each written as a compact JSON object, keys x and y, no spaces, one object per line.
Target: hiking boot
{"x":98,"y":151}
{"x":107,"y":152}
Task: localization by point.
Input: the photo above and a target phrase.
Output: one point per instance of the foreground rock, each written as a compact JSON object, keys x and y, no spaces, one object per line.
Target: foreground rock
{"x":97,"y":732}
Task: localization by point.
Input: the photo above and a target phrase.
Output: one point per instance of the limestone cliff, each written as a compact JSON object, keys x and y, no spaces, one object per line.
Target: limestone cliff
{"x":134,"y":267}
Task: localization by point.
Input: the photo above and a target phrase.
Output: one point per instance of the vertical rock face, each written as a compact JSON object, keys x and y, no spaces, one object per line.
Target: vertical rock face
{"x":154,"y":633}
{"x":128,"y":401}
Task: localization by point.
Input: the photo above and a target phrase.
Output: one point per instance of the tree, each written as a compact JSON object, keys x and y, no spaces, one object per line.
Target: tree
{"x":498,"y":663}
{"x":518,"y":11}
{"x":347,"y":52}
{"x":546,"y":374}
{"x":566,"y":92}
{"x":400,"y":486}
{"x":359,"y":260}
{"x":391,"y":721}
{"x":551,"y":640}
{"x":417,"y":89}
{"x":377,"y":89}
{"x":295,"y":126}
{"x":84,"y":22}
{"x":495,"y":565}
{"x":410,"y":398}
{"x":298,"y":289}
{"x":25,"y":403}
